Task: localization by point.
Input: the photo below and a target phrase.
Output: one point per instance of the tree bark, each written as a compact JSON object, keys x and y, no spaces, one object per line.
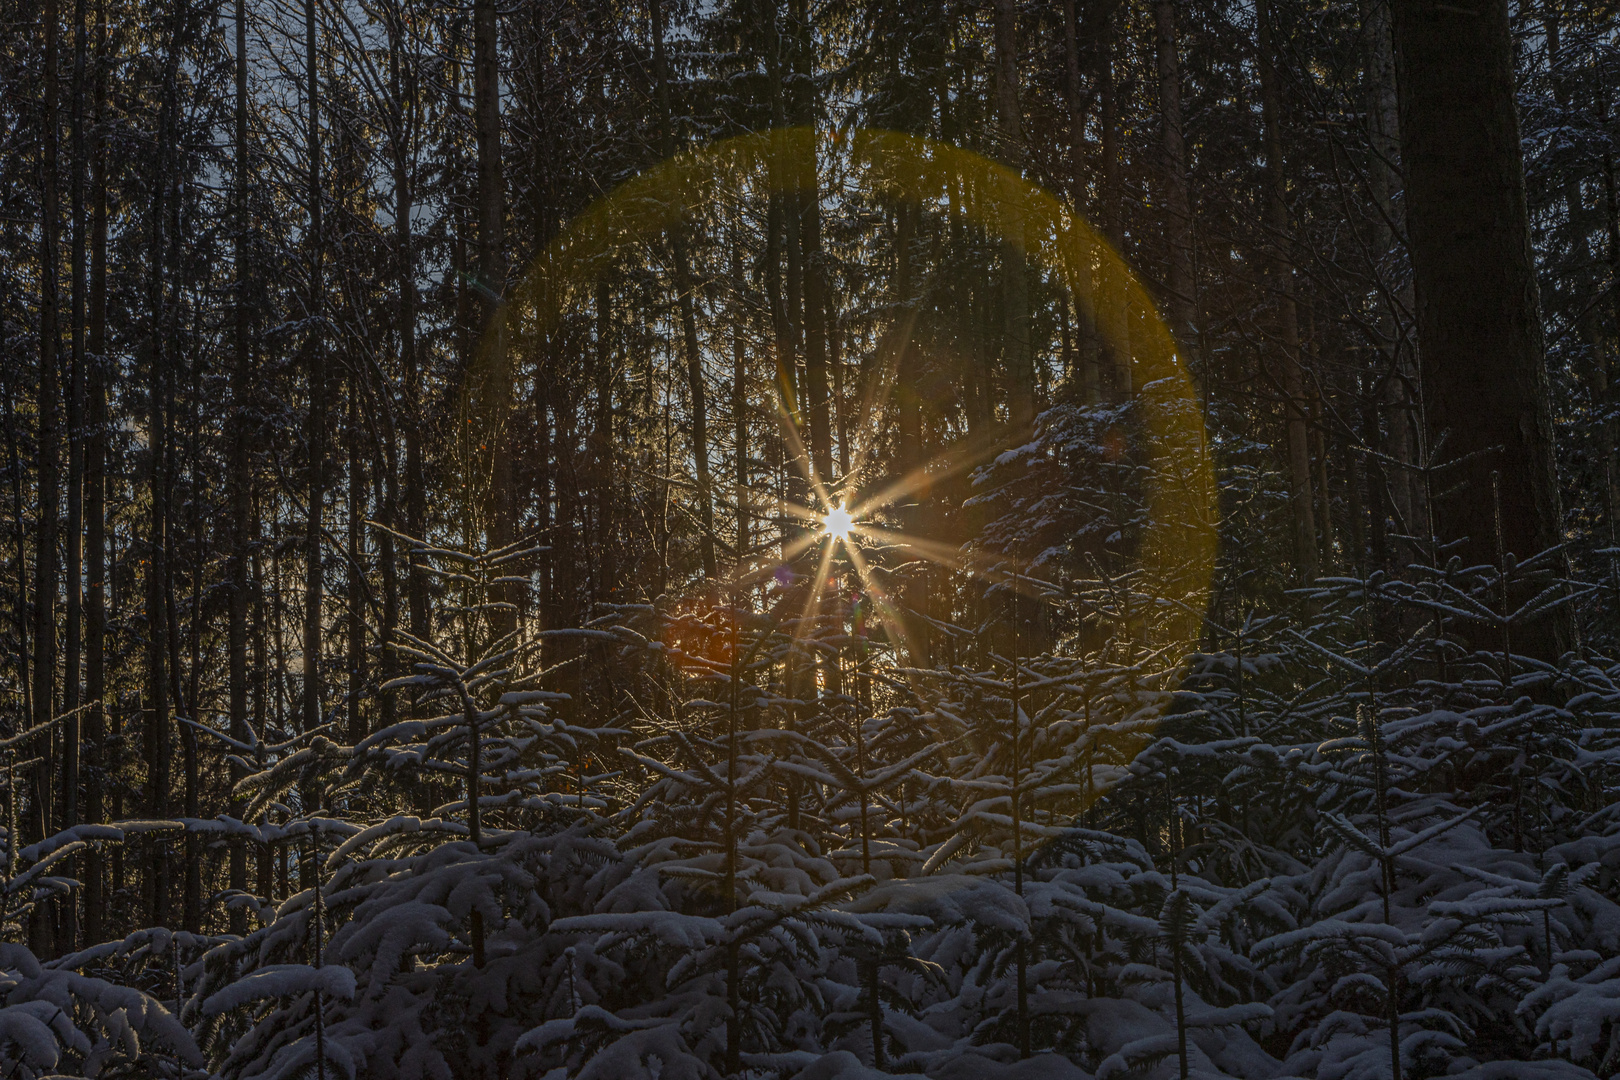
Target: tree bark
{"x":1017,"y":352}
{"x":688,"y":306}
{"x":1395,"y":304}
{"x":403,"y":86}
{"x":73,"y":630}
{"x":1296,"y":405}
{"x":1113,"y":319}
{"x":1484,"y":376}
{"x":739,"y":421}
{"x":315,"y":368}
{"x":158,"y":745}
{"x":1180,"y":303}
{"x":45,"y":566}
{"x":238,"y":480}
{"x":1082,"y":349}
{"x":95,"y":721}
{"x":496,"y":377}
{"x":355,"y":491}
{"x":602,"y":436}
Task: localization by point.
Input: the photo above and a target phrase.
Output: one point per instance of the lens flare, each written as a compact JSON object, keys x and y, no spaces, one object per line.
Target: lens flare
{"x":837,"y":522}
{"x":879,"y":548}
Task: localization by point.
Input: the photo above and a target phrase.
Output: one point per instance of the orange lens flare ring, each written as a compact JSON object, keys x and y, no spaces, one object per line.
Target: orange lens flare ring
{"x":1178,"y":543}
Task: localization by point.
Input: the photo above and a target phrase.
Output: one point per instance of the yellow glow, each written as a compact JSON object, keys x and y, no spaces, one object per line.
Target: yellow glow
{"x":837,"y":522}
{"x":1179,"y":538}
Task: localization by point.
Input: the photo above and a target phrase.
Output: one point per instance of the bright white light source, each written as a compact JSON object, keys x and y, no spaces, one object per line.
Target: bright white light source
{"x":837,"y":523}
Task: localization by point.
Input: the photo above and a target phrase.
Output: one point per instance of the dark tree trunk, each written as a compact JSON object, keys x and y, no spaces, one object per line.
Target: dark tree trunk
{"x":1017,"y":352}
{"x":315,"y":366}
{"x":1395,"y":302}
{"x":238,"y":479}
{"x":74,"y":629}
{"x":355,"y":490}
{"x":1113,"y":320}
{"x":1081,"y":361}
{"x":45,"y":567}
{"x":95,"y":720}
{"x":1485,"y":382}
{"x":416,"y":589}
{"x":1288,"y":368}
{"x":158,"y":748}
{"x":493,"y":351}
{"x":602,"y":436}
{"x":1180,"y":305}
{"x":696,"y":387}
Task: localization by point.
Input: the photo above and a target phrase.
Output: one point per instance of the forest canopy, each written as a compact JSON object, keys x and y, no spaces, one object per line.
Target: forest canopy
{"x":809,"y":539}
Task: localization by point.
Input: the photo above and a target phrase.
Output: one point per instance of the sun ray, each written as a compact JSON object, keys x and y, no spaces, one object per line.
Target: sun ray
{"x":1005,"y":572}
{"x":893,"y":625}
{"x":941,"y":467}
{"x":813,"y":596}
{"x":881,"y":386}
{"x":932,"y":550}
{"x":802,"y":513}
{"x":800,"y":454}
{"x":798,"y":546}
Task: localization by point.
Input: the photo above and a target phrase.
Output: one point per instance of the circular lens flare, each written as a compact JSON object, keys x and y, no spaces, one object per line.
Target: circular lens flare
{"x":837,"y":522}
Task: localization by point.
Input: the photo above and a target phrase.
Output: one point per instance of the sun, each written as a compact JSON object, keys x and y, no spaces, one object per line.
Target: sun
{"x":837,"y":522}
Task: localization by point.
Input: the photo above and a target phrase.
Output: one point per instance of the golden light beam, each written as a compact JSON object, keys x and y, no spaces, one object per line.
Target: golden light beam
{"x":951,"y":558}
{"x":932,"y":550}
{"x":813,"y":599}
{"x":803,"y":513}
{"x":800,"y":454}
{"x":939,"y":468}
{"x":892,"y":624}
{"x":880,"y":387}
{"x":792,"y":551}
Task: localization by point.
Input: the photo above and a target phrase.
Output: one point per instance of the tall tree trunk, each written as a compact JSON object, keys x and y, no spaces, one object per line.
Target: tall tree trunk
{"x":804,"y":217}
{"x":315,"y":365}
{"x":415,"y":481}
{"x":1017,"y":354}
{"x":913,"y":453}
{"x":1479,"y":325}
{"x":1080,"y":350}
{"x":95,"y":487}
{"x":1180,"y":303}
{"x":1395,"y":303}
{"x":45,"y":567}
{"x":816,"y":390}
{"x":688,"y":304}
{"x":496,"y":376}
{"x":74,"y":629}
{"x":602,"y":435}
{"x":191,"y":700}
{"x":355,"y":490}
{"x":22,"y":613}
{"x":781,"y":292}
{"x":1296,"y":404}
{"x":739,"y":418}
{"x":788,"y":311}
{"x":156,"y":749}
{"x":1079,"y":169}
{"x":1114,"y":321}
{"x":238,"y":478}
